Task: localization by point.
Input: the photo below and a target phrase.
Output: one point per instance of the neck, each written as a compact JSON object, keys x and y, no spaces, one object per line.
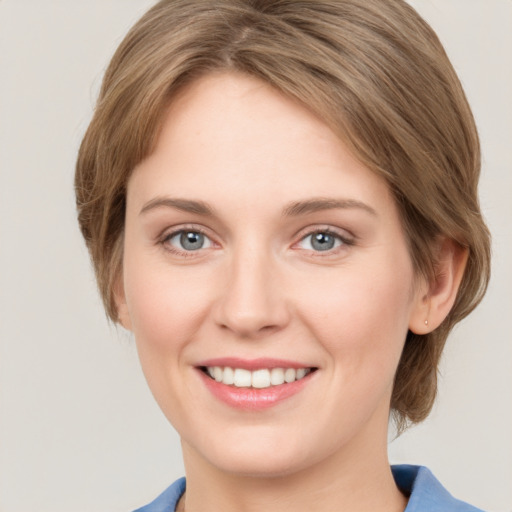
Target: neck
{"x":354,"y":480}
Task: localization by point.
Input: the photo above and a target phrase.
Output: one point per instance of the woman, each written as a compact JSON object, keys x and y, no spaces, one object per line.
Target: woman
{"x":280,"y":202}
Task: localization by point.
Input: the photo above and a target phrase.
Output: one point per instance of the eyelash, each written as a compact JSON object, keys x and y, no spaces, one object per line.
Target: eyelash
{"x":165,"y":239}
{"x":345,"y":241}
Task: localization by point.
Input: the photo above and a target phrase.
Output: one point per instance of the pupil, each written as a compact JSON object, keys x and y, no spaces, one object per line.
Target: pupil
{"x":191,"y":241}
{"x":322,"y":242}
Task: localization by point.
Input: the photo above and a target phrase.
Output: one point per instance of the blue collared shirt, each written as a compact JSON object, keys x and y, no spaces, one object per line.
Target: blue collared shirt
{"x":425,"y":493}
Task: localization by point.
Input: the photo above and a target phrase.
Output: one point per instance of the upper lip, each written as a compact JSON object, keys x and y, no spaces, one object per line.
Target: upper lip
{"x":253,"y":364}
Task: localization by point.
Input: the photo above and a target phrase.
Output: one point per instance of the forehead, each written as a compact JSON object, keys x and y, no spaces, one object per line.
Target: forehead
{"x":235,"y":136}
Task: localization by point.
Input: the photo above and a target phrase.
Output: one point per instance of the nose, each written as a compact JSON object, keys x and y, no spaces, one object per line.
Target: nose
{"x":252,"y":303}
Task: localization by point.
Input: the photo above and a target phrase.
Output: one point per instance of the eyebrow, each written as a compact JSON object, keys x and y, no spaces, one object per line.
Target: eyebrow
{"x":322,"y":203}
{"x":291,"y":210}
{"x":185,"y":205}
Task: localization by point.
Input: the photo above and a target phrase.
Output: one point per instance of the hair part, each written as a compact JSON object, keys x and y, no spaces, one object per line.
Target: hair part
{"x":374,"y":71}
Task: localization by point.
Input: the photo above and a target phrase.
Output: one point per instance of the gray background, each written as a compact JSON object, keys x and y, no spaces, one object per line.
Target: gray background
{"x":79,"y":431}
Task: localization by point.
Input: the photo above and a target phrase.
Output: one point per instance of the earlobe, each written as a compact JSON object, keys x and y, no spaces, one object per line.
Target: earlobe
{"x":436,"y":299}
{"x":123,"y":315}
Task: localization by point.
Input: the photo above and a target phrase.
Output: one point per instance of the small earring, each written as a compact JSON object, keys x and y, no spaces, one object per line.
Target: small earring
{"x":426,"y":322}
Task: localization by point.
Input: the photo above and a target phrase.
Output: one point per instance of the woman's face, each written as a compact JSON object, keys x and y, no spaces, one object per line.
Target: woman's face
{"x":257,"y":250}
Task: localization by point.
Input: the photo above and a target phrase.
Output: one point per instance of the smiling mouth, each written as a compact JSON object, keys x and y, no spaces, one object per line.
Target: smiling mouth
{"x":256,"y":379}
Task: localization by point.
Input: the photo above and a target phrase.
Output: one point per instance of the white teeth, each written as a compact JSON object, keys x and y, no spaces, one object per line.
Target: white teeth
{"x":259,"y":379}
{"x":229,"y":376}
{"x":217,"y":373}
{"x":242,"y":378}
{"x":289,"y":374}
{"x":276,"y":376}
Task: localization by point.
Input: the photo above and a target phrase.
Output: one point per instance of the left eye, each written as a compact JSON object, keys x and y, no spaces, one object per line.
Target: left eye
{"x":189,"y":241}
{"x":321,"y":241}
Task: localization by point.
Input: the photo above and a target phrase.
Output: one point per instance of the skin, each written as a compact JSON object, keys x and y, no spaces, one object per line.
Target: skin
{"x":258,"y":288}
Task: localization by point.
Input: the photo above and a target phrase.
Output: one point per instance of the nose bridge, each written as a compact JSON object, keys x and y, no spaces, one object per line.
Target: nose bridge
{"x":252,"y":302}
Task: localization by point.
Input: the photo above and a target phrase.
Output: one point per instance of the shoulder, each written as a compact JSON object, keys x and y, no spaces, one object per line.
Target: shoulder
{"x":168,"y":500}
{"x":425,"y":492}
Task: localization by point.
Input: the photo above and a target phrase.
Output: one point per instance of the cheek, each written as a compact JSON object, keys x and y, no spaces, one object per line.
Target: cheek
{"x":165,"y":306}
{"x":362,"y":318}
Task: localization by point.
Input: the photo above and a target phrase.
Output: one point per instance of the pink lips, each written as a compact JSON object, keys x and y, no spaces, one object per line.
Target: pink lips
{"x":252,"y":399}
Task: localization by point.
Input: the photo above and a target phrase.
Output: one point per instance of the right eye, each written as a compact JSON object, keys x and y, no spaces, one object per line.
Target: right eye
{"x":321,"y":241}
{"x":187,"y":241}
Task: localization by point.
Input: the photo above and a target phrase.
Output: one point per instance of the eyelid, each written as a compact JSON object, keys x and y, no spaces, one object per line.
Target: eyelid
{"x":343,"y":234}
{"x":347,"y":239}
{"x":169,"y":232}
{"x":185,"y":226}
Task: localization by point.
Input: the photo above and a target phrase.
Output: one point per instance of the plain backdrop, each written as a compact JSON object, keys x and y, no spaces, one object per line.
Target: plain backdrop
{"x":79,"y":431}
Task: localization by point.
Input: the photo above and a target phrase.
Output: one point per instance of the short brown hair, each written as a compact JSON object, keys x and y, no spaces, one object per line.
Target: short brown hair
{"x":372,"y":69}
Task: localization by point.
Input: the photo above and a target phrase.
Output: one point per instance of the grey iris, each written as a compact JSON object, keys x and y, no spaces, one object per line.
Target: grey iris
{"x":322,"y":241}
{"x":191,"y":240}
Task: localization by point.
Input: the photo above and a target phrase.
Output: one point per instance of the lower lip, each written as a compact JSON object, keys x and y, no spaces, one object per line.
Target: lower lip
{"x":254,"y":399}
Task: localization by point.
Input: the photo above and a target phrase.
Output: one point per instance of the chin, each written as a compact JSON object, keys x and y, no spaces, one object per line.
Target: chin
{"x":260,"y":457}
{"x":261,"y":467}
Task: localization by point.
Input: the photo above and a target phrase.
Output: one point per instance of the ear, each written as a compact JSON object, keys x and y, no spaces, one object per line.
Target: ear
{"x":123,"y":314}
{"x":434,"y":300}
